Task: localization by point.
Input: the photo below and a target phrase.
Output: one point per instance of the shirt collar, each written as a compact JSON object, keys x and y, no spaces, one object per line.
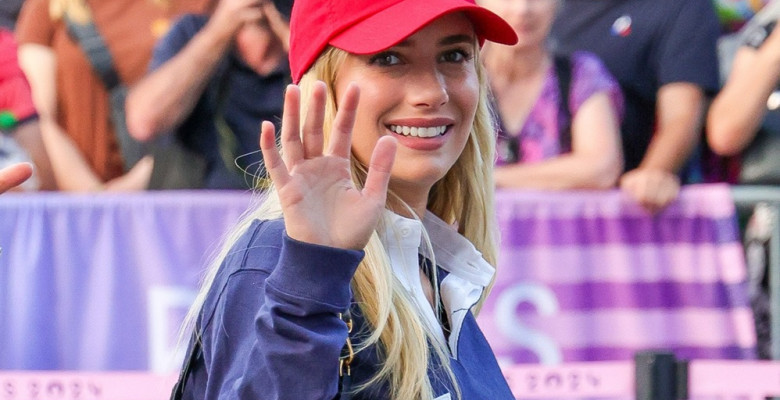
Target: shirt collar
{"x":451,"y":250}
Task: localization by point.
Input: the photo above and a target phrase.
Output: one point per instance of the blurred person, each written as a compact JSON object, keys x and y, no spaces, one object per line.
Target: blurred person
{"x":20,"y":135}
{"x":546,"y":141}
{"x":744,"y":121}
{"x":752,"y":75}
{"x":71,"y":99}
{"x":214,"y":80}
{"x":358,"y":274}
{"x":14,"y":175}
{"x":663,"y":54}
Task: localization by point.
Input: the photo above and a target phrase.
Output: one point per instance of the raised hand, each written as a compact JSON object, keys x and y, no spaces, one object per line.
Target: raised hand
{"x":654,"y":189}
{"x":230,"y":15}
{"x":320,"y":203}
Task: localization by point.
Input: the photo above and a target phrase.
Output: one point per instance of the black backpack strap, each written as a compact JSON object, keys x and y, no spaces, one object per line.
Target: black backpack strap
{"x":194,"y":354}
{"x":563,"y":72}
{"x":94,"y":47}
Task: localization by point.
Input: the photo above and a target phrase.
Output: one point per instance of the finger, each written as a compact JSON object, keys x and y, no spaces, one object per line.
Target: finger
{"x":312,"y":127}
{"x":341,"y":135}
{"x":14,"y":175}
{"x":292,"y":149}
{"x":252,"y":15}
{"x":380,"y":167}
{"x":274,"y":165}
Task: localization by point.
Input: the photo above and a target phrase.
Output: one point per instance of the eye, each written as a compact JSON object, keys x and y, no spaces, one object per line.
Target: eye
{"x":385,"y":59}
{"x":456,"y":56}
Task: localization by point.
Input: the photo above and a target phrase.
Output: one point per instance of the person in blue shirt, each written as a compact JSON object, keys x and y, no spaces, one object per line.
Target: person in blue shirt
{"x":663,"y":54}
{"x":359,"y":273}
{"x":213,"y":80}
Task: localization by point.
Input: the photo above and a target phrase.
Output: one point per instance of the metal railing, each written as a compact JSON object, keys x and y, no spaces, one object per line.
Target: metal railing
{"x":747,"y":198}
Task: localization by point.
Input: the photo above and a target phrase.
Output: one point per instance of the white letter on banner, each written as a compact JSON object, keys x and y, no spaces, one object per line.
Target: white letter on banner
{"x":543,"y":299}
{"x":167,"y":307}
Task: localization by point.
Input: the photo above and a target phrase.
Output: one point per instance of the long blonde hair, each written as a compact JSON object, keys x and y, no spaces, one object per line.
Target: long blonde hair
{"x":463,"y":197}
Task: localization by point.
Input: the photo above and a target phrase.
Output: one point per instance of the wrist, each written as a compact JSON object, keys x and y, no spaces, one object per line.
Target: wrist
{"x":216,"y":37}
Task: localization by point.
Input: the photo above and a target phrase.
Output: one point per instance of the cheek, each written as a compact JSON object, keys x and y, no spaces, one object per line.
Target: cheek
{"x":363,"y":142}
{"x":467,"y":97}
{"x":365,"y":131}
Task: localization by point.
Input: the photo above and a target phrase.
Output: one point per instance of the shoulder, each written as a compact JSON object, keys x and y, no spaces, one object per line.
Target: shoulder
{"x":591,"y":76}
{"x":184,"y":28}
{"x":181,"y":32}
{"x":257,"y":248}
{"x":34,"y":24}
{"x":586,"y":60}
{"x":690,"y":15}
{"x":587,"y":66}
{"x":250,"y":260}
{"x":188,"y":24}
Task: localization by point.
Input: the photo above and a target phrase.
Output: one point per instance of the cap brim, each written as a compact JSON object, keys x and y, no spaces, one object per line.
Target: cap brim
{"x":383,"y":30}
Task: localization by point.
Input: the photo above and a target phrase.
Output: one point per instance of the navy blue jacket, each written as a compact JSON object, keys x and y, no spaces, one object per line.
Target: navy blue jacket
{"x":270,"y":328}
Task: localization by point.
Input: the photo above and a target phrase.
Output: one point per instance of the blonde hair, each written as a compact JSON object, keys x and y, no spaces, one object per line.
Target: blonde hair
{"x":77,"y":10}
{"x":463,"y":197}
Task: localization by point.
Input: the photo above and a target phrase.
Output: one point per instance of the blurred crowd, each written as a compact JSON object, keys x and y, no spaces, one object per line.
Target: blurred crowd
{"x":641,"y":95}
{"x":169,"y":94}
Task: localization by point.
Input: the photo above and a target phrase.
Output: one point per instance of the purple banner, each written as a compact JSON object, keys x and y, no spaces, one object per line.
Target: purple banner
{"x":590,"y":276}
{"x":101,"y":282}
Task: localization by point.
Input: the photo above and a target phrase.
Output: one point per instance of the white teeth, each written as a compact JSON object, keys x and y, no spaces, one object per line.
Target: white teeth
{"x":418,"y":131}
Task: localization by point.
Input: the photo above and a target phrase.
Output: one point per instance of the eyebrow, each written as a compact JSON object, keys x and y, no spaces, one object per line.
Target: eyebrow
{"x":449,"y":40}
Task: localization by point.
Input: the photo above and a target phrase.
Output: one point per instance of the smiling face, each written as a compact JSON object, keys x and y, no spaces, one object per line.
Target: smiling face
{"x":423,"y":91}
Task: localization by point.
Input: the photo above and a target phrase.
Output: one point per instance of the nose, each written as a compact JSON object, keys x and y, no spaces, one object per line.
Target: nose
{"x":428,"y":89}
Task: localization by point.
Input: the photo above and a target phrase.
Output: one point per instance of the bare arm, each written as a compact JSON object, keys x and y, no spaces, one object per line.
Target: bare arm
{"x":29,"y":137}
{"x":69,"y":167}
{"x":595,"y":161}
{"x":737,"y":111}
{"x":679,"y":113}
{"x":164,"y":98}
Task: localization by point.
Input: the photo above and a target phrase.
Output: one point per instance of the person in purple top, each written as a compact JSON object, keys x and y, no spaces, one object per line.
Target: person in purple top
{"x":359,"y":273}
{"x":547,"y":141}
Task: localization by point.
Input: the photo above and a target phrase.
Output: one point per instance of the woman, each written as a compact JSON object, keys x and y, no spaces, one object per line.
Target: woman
{"x":550,"y":139}
{"x":72,"y":101}
{"x":384,"y":191}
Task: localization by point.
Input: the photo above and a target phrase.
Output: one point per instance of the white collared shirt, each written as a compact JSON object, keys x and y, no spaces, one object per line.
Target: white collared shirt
{"x":468,"y":276}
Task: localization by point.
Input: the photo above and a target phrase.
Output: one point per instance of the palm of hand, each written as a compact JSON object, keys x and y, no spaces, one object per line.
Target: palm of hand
{"x":320,"y":203}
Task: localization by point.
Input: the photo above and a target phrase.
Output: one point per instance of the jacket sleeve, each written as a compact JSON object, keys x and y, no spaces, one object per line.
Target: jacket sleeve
{"x":275,"y":332}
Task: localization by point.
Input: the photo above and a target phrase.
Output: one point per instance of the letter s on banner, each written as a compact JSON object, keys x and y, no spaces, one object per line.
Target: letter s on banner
{"x":509,"y":325}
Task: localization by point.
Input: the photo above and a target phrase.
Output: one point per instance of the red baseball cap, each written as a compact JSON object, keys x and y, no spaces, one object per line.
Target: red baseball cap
{"x":370,"y":26}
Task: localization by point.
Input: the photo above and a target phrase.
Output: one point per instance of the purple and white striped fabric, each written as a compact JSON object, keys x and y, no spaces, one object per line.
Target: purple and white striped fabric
{"x":593,"y":277}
